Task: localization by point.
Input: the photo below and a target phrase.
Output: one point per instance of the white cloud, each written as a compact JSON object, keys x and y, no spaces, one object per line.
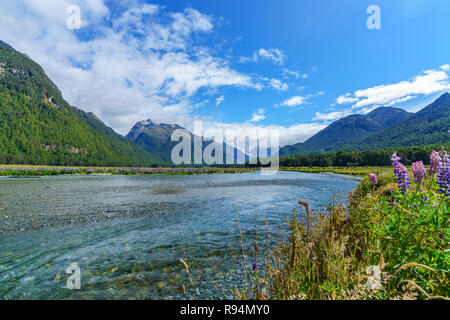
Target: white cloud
{"x":346,"y":99}
{"x":288,"y":135}
{"x":190,"y":21}
{"x":124,"y":78}
{"x":446,"y":67}
{"x":275,"y":55}
{"x":427,"y":82}
{"x":278,"y":85}
{"x":292,"y":73}
{"x":331,"y":116}
{"x":219,"y":100}
{"x":264,"y":82}
{"x":294,"y":101}
{"x":258,"y":116}
{"x":121,"y":77}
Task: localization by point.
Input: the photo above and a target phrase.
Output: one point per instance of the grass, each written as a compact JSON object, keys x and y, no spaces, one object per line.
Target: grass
{"x":17,"y":170}
{"x":384,"y":244}
{"x":356,"y":171}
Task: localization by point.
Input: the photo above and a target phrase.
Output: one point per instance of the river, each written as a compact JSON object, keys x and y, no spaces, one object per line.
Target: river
{"x":127,"y":233}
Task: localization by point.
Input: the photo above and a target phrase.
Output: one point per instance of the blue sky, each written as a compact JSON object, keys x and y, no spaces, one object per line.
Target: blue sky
{"x":292,"y":65}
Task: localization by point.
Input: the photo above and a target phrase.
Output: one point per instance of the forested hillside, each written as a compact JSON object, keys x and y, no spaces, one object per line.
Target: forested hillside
{"x":362,"y":158}
{"x":348,"y":129}
{"x":38,"y":127}
{"x":428,"y":126}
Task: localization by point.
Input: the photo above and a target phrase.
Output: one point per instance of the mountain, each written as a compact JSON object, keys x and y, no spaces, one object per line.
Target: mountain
{"x":118,"y":142}
{"x":348,"y":129}
{"x":156,"y":138}
{"x":427,"y":127}
{"x":39,"y":127}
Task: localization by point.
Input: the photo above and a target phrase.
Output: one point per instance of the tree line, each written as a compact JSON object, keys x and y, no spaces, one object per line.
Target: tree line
{"x":361,"y":158}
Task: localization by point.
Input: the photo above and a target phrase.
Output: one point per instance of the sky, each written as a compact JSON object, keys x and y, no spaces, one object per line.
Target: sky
{"x":295,"y":66}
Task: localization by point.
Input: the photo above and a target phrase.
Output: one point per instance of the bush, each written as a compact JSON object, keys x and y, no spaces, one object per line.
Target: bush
{"x":385,"y":244}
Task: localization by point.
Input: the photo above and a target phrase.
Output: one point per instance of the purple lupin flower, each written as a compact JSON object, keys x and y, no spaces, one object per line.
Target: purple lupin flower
{"x":254,"y":266}
{"x":373,"y":178}
{"x":443,"y":177}
{"x":401,"y":173}
{"x":395,"y":158}
{"x":435,"y":159}
{"x":419,"y":171}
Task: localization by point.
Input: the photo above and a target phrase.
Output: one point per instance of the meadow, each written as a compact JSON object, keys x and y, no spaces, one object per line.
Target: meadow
{"x":390,"y":241}
{"x":29,"y":170}
{"x":355,"y":171}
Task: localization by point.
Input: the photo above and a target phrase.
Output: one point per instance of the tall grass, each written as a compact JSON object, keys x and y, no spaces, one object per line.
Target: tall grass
{"x":384,"y":244}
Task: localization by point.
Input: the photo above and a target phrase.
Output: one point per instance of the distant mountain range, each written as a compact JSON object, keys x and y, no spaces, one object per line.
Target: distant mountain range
{"x":156,"y":138}
{"x":381,"y":129}
{"x":37,"y":126}
{"x":346,"y":130}
{"x":428,"y":126}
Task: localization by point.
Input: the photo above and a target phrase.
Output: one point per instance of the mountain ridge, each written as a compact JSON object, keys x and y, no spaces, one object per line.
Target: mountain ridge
{"x":156,"y":138}
{"x":348,"y":129}
{"x":428,"y":126}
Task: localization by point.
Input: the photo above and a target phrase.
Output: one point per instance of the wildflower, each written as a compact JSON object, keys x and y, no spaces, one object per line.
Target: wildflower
{"x":419,"y":171}
{"x":401,"y":173}
{"x":443,"y":178}
{"x":395,"y":157}
{"x":435,"y":159}
{"x":373,"y":178}
{"x":254,"y":266}
{"x":425,"y":198}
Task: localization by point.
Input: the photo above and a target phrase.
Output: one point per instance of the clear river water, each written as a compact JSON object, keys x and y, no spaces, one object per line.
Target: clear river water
{"x":127,"y":233}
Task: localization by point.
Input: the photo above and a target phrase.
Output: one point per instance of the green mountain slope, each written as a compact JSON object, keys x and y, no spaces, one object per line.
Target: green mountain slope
{"x":38,"y":127}
{"x":428,"y":126}
{"x":156,"y":138}
{"x":346,"y":130}
{"x":121,"y":145}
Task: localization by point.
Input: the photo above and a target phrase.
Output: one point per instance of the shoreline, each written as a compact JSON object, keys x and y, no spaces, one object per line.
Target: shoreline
{"x":37,"y":170}
{"x":395,"y":226}
{"x":44,"y":170}
{"x":352,"y":171}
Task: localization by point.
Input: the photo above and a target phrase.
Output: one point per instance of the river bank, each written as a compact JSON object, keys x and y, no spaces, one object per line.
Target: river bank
{"x":354,"y":171}
{"x":18,"y":170}
{"x":390,"y":242}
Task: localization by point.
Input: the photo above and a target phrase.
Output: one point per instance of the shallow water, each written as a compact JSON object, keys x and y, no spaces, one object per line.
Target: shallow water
{"x":127,"y":233}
